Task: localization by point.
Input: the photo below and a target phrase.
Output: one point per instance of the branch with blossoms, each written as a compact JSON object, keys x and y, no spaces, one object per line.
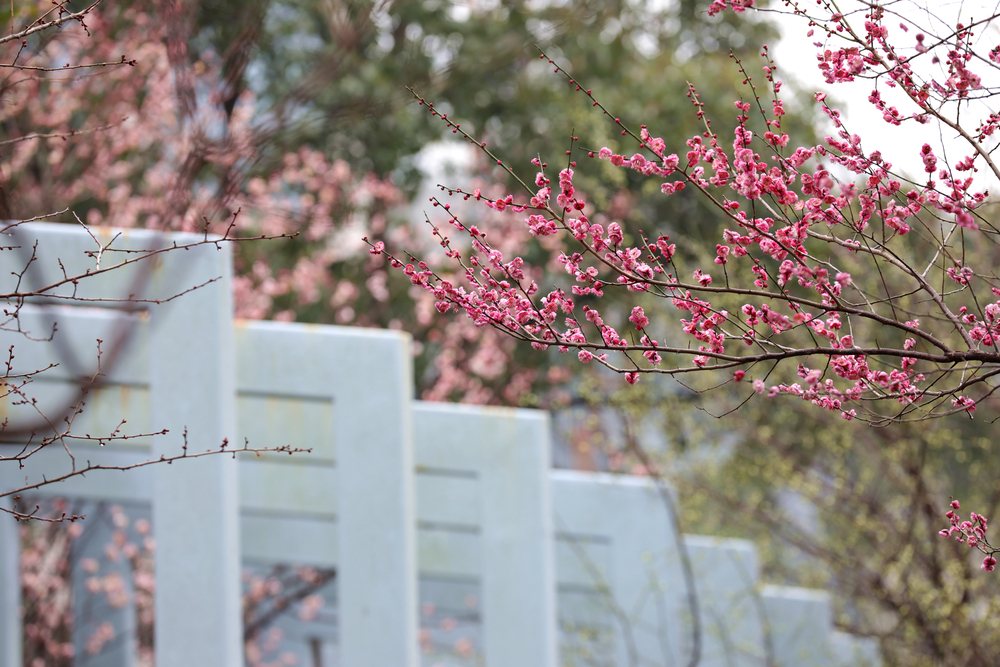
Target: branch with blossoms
{"x":45,"y":21}
{"x":54,"y":18}
{"x":971,"y":532}
{"x":835,"y":268}
{"x":34,"y":428}
{"x":54,"y":428}
{"x":223,"y":448}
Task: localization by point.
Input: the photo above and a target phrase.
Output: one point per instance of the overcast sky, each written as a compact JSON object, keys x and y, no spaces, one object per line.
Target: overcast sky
{"x":796,"y":58}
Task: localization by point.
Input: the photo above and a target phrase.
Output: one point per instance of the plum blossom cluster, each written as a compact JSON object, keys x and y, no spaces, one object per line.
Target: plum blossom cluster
{"x":836,"y":266}
{"x":719,"y":6}
{"x":971,"y":532}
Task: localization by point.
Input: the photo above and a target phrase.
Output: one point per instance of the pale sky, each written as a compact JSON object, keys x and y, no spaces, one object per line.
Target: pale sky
{"x":795,"y":55}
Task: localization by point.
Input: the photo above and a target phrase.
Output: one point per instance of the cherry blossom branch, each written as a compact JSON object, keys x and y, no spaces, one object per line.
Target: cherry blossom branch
{"x":972,"y":533}
{"x":68,"y":67}
{"x":140,"y":256}
{"x":91,"y":467}
{"x":34,"y":515}
{"x":60,"y":135}
{"x":41,"y":23}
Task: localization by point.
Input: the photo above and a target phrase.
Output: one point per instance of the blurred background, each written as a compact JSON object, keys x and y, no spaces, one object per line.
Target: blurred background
{"x":296,"y":114}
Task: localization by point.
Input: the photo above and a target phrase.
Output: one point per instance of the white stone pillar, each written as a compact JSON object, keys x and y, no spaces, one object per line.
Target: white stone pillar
{"x":195,"y":502}
{"x":10,"y":591}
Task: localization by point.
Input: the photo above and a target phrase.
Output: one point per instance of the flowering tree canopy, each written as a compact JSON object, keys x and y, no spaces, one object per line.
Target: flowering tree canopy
{"x":839,"y":278}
